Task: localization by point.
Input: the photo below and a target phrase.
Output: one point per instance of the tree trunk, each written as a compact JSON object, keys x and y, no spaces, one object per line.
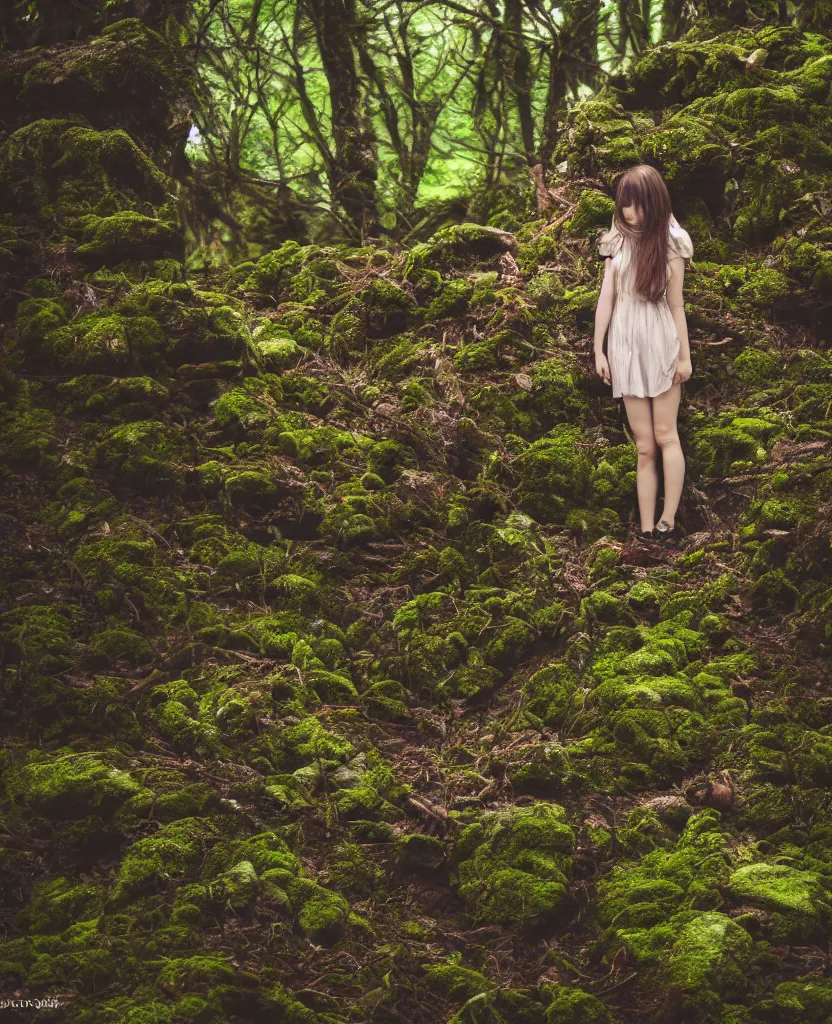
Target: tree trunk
{"x":577,"y":42}
{"x":675,"y":19}
{"x":353,"y":173}
{"x":573,"y":61}
{"x":815,"y":16}
{"x":581,"y":22}
{"x":633,"y":26}
{"x":555,"y":105}
{"x":623,"y":36}
{"x":516,"y":67}
{"x":12,"y":35}
{"x":62,"y":21}
{"x":733,"y":11}
{"x":155,"y":13}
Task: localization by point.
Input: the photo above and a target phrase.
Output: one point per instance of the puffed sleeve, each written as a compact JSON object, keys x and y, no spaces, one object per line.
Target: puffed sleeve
{"x":679,"y":241}
{"x":609,"y":241}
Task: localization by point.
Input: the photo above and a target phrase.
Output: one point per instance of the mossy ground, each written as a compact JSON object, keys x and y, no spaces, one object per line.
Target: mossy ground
{"x":333,"y":686}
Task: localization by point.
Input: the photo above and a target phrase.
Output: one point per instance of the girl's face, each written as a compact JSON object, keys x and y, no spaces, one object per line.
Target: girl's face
{"x":632,"y":214}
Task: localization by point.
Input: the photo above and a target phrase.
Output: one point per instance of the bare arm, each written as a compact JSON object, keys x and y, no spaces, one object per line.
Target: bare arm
{"x":606,"y":301}
{"x":677,"y":305}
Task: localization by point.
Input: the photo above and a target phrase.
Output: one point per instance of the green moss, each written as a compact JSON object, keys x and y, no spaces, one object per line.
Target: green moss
{"x":765,"y":287}
{"x":798,"y":900}
{"x":245,"y":409}
{"x":319,"y":446}
{"x":107,"y":342}
{"x":126,"y":59}
{"x":469,"y":238}
{"x":272,"y":274}
{"x":603,"y":607}
{"x":199,"y":972}
{"x":555,"y":474}
{"x":127,"y":235}
{"x":597,"y":136}
{"x":187,"y":802}
{"x":153,"y":862}
{"x":203,"y":325}
{"x":237,"y":888}
{"x":30,"y":442}
{"x":545,"y":290}
{"x":451,"y":301}
{"x":371,"y":831}
{"x":415,"y":396}
{"x":810,"y":263}
{"x":143,"y":455}
{"x":36,"y":320}
{"x":807,"y":999}
{"x":568,"y":1005}
{"x":514,"y":864}
{"x":417,"y":852}
{"x":276,"y":347}
{"x":711,"y":960}
{"x":455,"y":981}
{"x":112,"y":644}
{"x":42,"y":634}
{"x":502,"y":1006}
{"x":178,"y":725}
{"x":478,"y":355}
{"x":774,"y":590}
{"x":56,"y":904}
{"x":593,"y":210}
{"x":734,"y":446}
{"x":754,"y":366}
{"x":365,"y":795}
{"x":396,"y":358}
{"x":639,"y":903}
{"x":644,"y":595}
{"x":129,"y":398}
{"x":386,"y":700}
{"x":544,"y":770}
{"x":252,"y":489}
{"x":65,"y":169}
{"x":68,"y":786}
{"x":322,"y":915}
{"x":689,"y":146}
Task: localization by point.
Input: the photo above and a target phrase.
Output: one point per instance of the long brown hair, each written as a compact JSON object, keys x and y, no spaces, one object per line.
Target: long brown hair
{"x":643,"y":187}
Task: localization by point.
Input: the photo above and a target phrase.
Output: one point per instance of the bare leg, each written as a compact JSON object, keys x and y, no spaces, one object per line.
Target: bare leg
{"x":665,"y":411}
{"x":640,"y":416}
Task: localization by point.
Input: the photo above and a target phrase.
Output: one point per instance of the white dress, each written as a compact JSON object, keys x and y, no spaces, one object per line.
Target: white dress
{"x":643,"y":343}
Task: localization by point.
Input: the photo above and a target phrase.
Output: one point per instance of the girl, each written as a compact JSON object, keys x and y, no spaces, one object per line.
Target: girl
{"x":648,"y":351}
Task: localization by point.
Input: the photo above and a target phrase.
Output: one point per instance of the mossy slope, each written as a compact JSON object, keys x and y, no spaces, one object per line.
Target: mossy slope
{"x":324,"y":650}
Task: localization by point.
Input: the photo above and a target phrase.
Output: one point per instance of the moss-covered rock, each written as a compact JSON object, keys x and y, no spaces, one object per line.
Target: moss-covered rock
{"x":798,"y":901}
{"x":70,"y":785}
{"x":594,"y":210}
{"x":127,"y":235}
{"x":712,"y":960}
{"x":147,"y":455}
{"x":513,"y":865}
{"x":569,"y":1005}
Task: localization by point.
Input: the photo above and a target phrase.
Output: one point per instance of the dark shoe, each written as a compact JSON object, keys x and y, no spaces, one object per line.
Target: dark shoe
{"x":665,"y":533}
{"x":647,"y":538}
